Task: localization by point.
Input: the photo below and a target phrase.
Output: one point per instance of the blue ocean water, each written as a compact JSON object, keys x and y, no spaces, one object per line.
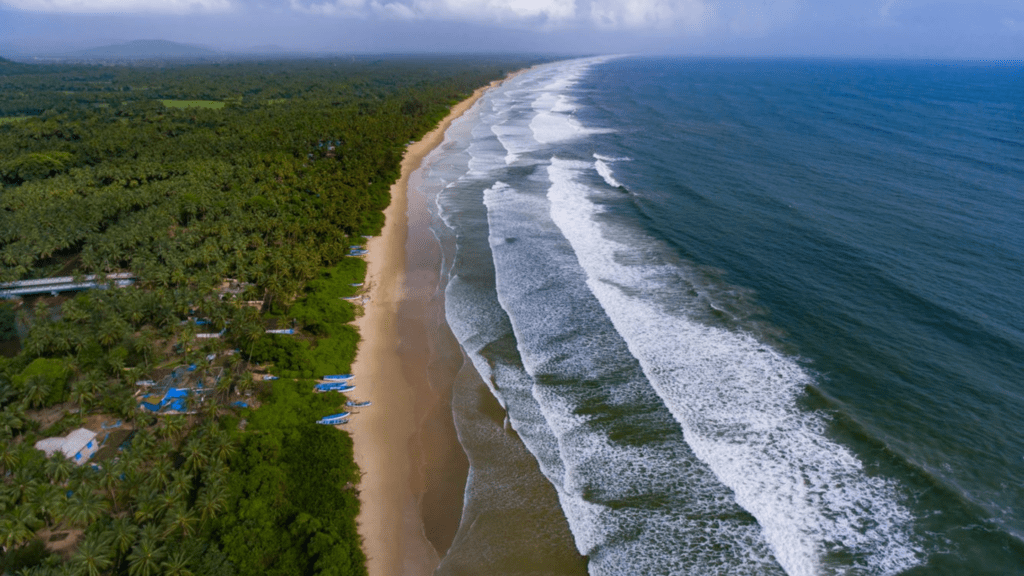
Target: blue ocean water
{"x":751,"y":316}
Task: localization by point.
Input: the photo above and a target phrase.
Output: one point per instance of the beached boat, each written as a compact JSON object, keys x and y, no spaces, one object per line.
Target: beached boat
{"x":337,"y":377}
{"x":352,"y":404}
{"x":334,"y":419}
{"x":333,"y":388}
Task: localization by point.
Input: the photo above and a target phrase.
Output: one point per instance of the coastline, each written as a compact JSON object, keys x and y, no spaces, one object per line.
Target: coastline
{"x":405,"y":445}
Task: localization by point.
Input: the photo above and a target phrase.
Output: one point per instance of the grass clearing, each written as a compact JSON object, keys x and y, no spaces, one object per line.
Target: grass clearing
{"x":213,"y":104}
{"x":13,"y":119}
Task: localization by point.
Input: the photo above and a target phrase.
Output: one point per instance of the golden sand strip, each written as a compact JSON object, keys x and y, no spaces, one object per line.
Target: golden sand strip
{"x":389,"y":455}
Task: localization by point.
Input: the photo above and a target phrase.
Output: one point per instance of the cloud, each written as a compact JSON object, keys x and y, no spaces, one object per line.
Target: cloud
{"x":538,"y":14}
{"x":657,"y":14}
{"x":491,"y":11}
{"x":329,"y":7}
{"x":120,"y":6}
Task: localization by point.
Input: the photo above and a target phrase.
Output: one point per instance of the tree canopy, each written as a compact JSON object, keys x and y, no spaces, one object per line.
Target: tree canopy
{"x":232,"y":221}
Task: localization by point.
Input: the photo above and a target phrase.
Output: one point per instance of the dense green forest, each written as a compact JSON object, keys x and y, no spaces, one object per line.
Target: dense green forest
{"x":233,"y":193}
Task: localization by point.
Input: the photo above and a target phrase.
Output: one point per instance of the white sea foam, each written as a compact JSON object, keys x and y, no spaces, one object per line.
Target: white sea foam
{"x":735,"y":399}
{"x":563,"y":336}
{"x":650,"y":508}
{"x":612,"y":158}
{"x":606,"y":172}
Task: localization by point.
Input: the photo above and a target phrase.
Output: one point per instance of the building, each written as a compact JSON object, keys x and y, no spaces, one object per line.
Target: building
{"x":77,"y":446}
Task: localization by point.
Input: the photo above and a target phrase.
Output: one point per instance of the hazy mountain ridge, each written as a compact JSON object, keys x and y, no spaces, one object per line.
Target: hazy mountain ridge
{"x":143,"y":49}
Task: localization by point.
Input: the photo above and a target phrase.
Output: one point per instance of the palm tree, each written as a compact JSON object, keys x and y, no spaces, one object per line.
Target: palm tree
{"x":224,"y":385}
{"x":115,"y":361}
{"x":11,"y":420}
{"x":145,"y":558}
{"x":36,"y":390}
{"x":24,"y":482}
{"x":180,"y":519}
{"x":195,"y":455}
{"x":10,"y":455}
{"x":13,"y":534}
{"x":95,"y":382}
{"x":212,"y":500}
{"x":245,"y":383}
{"x":49,"y":502}
{"x":132,"y":375}
{"x":211,"y":406}
{"x":147,"y":507}
{"x":144,"y":442}
{"x":111,"y":331}
{"x":110,"y":480}
{"x":160,"y":473}
{"x":84,"y":508}
{"x":122,"y":535}
{"x":81,"y":394}
{"x":222,"y":446}
{"x":128,"y":408}
{"x":182,"y":481}
{"x":172,"y":426}
{"x":94,"y":555}
{"x":177,"y":564}
{"x":58,"y":468}
{"x":188,"y":335}
{"x":26,"y":515}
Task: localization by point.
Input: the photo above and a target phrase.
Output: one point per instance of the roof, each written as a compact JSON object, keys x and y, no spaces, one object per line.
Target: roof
{"x":175,"y":393}
{"x":68,"y":445}
{"x":77,"y":440}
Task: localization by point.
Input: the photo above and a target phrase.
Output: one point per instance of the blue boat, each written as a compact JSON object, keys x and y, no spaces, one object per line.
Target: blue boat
{"x":334,"y":419}
{"x":352,"y":404}
{"x":333,"y":388}
{"x":338,"y":377}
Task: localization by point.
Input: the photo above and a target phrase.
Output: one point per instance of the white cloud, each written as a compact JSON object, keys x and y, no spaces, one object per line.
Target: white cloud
{"x":1013,"y":25}
{"x":120,"y":6}
{"x":546,"y":14}
{"x":394,"y":10}
{"x":637,"y":14}
{"x":329,"y":7}
{"x":479,"y":10}
{"x":885,"y":15}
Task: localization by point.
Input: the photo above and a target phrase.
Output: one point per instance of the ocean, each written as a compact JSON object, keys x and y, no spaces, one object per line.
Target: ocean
{"x":729,"y":316}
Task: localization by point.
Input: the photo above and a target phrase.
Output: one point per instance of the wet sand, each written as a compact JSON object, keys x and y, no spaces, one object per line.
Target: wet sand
{"x":414,"y":470}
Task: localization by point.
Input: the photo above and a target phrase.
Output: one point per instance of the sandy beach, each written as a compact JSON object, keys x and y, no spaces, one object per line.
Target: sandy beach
{"x":413,"y":468}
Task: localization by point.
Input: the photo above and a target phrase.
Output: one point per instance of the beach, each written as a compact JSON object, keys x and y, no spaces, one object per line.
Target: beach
{"x":413,"y":467}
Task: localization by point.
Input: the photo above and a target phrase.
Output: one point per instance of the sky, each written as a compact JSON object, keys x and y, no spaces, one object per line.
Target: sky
{"x":981,"y":29}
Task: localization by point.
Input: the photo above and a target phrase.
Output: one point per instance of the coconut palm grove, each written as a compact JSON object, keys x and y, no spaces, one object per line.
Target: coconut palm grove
{"x":176,"y":243}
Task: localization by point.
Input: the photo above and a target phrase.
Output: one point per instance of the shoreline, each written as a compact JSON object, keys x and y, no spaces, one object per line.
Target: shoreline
{"x":405,"y":443}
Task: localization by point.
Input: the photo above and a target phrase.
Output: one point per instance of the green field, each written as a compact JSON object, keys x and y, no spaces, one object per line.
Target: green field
{"x":215,"y":104}
{"x":12,"y":119}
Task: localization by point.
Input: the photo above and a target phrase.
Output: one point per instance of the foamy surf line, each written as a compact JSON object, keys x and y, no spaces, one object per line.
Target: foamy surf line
{"x":735,"y":399}
{"x":563,"y":337}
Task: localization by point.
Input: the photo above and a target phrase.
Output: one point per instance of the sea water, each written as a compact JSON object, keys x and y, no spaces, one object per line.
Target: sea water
{"x":738,"y":317}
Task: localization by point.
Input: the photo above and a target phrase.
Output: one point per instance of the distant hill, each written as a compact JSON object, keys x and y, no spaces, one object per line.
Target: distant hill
{"x":10,"y":67}
{"x":146,"y":49}
{"x":267,"y":49}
